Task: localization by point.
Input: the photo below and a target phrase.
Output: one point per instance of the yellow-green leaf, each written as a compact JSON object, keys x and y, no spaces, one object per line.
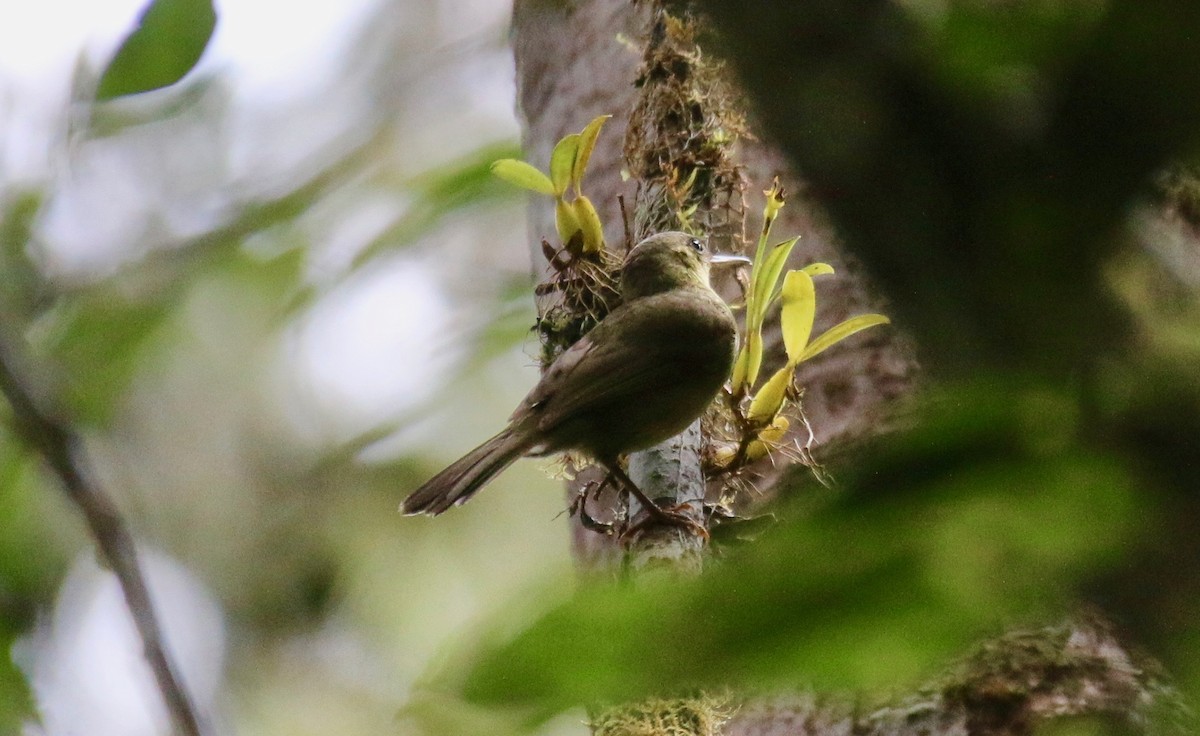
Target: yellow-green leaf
{"x":818,"y":269}
{"x":769,"y":399}
{"x":589,"y":224}
{"x":562,"y":162}
{"x":565,"y":221}
{"x":749,"y":360}
{"x":587,"y":142}
{"x":841,"y":331}
{"x":523,"y":175}
{"x":754,"y":352}
{"x":797,"y":312}
{"x":776,"y":431}
{"x":767,"y":438}
{"x":769,"y":276}
{"x":738,"y":379}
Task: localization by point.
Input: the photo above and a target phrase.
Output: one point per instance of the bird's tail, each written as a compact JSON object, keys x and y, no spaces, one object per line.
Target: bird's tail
{"x":457,"y":483}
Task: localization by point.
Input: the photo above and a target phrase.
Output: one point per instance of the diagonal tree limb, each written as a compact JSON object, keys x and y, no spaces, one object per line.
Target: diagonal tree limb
{"x":62,"y":451}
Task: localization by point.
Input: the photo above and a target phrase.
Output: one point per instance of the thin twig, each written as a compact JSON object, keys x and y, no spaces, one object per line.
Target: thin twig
{"x":62,"y":450}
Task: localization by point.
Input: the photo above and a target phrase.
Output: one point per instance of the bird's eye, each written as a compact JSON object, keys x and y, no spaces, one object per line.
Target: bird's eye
{"x":698,"y":245}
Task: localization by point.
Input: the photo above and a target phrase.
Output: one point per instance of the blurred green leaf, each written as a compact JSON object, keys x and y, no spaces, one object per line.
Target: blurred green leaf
{"x":29,"y":571}
{"x":170,"y":38}
{"x":16,"y":703}
{"x":98,"y":337}
{"x":96,"y":340}
{"x":989,"y":55}
{"x":29,"y":567}
{"x":464,"y":181}
{"x":274,"y":279}
{"x":431,"y":715}
{"x":985,"y":519}
{"x":21,"y":282}
{"x":443,"y":191}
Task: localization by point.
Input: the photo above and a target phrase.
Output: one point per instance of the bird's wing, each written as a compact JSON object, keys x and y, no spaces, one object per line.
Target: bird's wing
{"x":595,"y":371}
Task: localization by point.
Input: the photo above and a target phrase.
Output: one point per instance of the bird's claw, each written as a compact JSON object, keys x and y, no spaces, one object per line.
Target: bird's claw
{"x":578,"y":508}
{"x":655,"y":515}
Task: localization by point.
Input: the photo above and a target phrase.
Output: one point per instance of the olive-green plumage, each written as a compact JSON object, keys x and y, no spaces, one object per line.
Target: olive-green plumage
{"x":641,"y":376}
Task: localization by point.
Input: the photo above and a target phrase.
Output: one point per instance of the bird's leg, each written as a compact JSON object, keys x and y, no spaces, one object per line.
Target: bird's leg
{"x":655,"y":512}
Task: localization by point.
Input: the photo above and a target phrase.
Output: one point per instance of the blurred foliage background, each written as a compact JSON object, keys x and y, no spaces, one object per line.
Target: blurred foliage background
{"x":272,"y":301}
{"x":273,"y":309}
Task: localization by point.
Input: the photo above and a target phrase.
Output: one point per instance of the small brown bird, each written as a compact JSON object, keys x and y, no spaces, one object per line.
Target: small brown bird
{"x":639,"y":377}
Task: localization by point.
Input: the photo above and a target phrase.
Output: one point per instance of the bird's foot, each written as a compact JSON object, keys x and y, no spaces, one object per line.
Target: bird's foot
{"x":652,"y":514}
{"x":578,"y":508}
{"x":674,"y":516}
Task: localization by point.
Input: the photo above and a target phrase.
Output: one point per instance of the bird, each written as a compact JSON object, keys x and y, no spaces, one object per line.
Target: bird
{"x":639,"y":377}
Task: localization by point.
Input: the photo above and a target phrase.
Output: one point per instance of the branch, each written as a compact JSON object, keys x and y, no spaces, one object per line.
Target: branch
{"x":671,"y":469}
{"x":1016,"y":684}
{"x":62,"y":451}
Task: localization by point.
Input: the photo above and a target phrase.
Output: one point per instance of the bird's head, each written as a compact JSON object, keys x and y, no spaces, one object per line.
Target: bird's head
{"x":666,"y":261}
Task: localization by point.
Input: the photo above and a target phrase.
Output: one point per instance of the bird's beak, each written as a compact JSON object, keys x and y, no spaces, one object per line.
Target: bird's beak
{"x":720,"y":258}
